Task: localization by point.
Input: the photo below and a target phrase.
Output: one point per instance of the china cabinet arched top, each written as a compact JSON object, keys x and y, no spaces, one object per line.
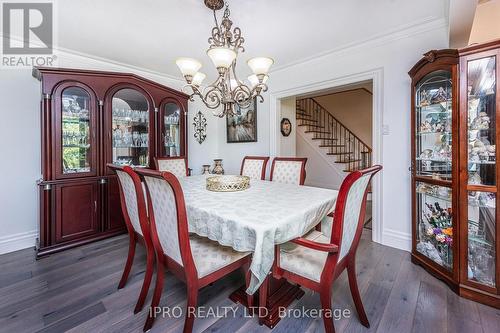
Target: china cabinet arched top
{"x":129,"y":122}
{"x":75,"y":118}
{"x":171,"y":127}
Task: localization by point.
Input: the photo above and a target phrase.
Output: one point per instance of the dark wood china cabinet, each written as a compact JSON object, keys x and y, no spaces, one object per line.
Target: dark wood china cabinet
{"x":89,"y":119}
{"x":455,"y":177}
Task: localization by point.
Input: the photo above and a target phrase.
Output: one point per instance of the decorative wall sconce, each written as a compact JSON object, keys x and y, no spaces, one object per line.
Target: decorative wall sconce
{"x":200,"y":127}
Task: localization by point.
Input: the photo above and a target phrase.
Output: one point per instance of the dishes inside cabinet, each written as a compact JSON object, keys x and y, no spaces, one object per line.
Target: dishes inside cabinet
{"x":481,"y":121}
{"x":481,"y":237}
{"x":130,"y":128}
{"x":433,"y":126}
{"x":75,"y":127}
{"x":435,"y":224}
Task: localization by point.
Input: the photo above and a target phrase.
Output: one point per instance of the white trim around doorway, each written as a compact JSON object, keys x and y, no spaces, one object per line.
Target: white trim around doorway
{"x":376,"y":76}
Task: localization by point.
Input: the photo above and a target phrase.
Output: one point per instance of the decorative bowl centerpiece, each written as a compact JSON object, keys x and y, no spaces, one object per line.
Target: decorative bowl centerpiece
{"x":228,"y":183}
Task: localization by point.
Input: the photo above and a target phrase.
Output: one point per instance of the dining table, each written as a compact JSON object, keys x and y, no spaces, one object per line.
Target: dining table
{"x":256,"y":220}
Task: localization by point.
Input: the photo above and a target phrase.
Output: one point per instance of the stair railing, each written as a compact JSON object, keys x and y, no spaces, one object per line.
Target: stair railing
{"x":340,"y":141}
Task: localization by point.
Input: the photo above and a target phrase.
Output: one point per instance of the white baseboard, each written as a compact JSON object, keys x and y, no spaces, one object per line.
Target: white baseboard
{"x":397,"y":239}
{"x":18,"y":241}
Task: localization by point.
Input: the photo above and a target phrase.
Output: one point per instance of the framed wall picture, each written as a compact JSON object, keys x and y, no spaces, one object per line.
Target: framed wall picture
{"x":242,"y":127}
{"x":286,"y":127}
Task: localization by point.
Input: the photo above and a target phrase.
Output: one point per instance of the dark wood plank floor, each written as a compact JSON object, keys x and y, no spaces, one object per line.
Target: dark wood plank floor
{"x":76,"y":291}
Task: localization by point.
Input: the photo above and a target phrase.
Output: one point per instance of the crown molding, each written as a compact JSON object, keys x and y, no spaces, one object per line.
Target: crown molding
{"x":133,"y":68}
{"x":405,"y":31}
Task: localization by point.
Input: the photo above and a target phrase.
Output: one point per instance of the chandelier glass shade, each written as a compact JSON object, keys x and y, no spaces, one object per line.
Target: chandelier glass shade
{"x":227,"y":90}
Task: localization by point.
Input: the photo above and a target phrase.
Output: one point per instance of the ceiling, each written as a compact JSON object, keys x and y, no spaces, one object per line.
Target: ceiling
{"x":152,"y":33}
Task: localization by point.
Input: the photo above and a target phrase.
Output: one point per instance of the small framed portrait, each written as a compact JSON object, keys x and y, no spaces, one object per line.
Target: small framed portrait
{"x":242,"y":127}
{"x":286,"y":127}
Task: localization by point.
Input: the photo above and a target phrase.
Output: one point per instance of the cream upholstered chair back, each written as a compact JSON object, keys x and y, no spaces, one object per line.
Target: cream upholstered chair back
{"x":350,"y":209}
{"x":289,"y":170}
{"x":352,"y":213}
{"x":163,"y":215}
{"x":254,"y":167}
{"x":130,"y":197}
{"x":175,"y":165}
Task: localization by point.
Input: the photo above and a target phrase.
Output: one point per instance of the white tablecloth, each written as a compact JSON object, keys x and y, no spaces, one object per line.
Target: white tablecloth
{"x":256,"y":219}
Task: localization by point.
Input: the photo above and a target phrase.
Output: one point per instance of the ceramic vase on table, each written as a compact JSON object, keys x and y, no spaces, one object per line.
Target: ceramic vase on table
{"x":206,"y":169}
{"x":218,"y":169}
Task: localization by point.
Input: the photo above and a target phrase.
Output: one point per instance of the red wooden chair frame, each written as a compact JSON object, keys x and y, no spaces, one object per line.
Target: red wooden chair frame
{"x":156,"y":159}
{"x":292,"y":159}
{"x":187,"y":272}
{"x":135,"y":237}
{"x":333,"y":268}
{"x":260,"y":158}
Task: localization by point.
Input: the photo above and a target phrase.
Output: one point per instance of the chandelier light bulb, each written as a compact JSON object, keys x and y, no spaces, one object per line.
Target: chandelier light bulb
{"x":227,"y":91}
{"x":222,"y":57}
{"x":198,"y":79}
{"x":188,"y":66}
{"x":260,"y":65}
{"x":254,"y":80}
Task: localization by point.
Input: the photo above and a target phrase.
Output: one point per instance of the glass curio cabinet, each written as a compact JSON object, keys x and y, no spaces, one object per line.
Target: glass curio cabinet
{"x":434,"y":162}
{"x":455,"y":177}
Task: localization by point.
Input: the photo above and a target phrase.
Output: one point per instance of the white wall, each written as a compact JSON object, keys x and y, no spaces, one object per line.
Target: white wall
{"x":321,"y":171}
{"x":20,"y":144}
{"x":288,"y":143}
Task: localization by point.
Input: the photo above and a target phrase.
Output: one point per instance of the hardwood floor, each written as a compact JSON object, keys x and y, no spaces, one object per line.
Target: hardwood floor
{"x":76,"y":291}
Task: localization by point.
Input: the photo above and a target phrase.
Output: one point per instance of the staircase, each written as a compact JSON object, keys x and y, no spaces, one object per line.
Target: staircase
{"x":331,"y":135}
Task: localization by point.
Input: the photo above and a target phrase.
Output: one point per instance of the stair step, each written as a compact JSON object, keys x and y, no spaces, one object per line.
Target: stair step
{"x":319,"y":132}
{"x":307,"y":121}
{"x":341,"y":153}
{"x":312,"y":126}
{"x":325,"y":146}
{"x":326,"y":139}
{"x":348,"y":161}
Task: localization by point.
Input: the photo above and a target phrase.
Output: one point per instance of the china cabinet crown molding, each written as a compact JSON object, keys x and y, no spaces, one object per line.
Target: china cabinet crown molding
{"x":88,"y":119}
{"x":454,"y":172}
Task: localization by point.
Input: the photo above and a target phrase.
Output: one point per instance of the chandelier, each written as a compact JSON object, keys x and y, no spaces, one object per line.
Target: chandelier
{"x":227,"y":90}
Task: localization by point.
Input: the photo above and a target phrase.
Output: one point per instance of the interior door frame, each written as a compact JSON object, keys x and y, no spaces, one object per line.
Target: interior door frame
{"x":376,"y":76}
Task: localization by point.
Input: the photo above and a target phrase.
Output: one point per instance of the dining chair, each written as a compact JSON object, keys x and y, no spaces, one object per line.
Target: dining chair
{"x":315,"y":262}
{"x":134,"y":211}
{"x":254,"y":167}
{"x":289,"y":170}
{"x":176,"y":165}
{"x":198,"y":261}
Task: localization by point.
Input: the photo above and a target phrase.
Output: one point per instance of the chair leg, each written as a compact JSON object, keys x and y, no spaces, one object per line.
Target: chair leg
{"x":353,"y":284}
{"x":160,"y":274}
{"x":326,"y":305}
{"x":263,"y":297}
{"x":130,"y":261}
{"x":147,"y":280}
{"x":190,"y":309}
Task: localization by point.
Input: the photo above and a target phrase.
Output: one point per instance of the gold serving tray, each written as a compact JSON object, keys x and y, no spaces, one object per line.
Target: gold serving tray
{"x":228,"y":183}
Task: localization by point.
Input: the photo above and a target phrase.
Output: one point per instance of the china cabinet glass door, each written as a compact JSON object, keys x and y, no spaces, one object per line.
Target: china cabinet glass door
{"x":130,"y":128}
{"x":171,"y":136}
{"x":481,"y":170}
{"x":76,"y":148}
{"x":433,"y":168}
